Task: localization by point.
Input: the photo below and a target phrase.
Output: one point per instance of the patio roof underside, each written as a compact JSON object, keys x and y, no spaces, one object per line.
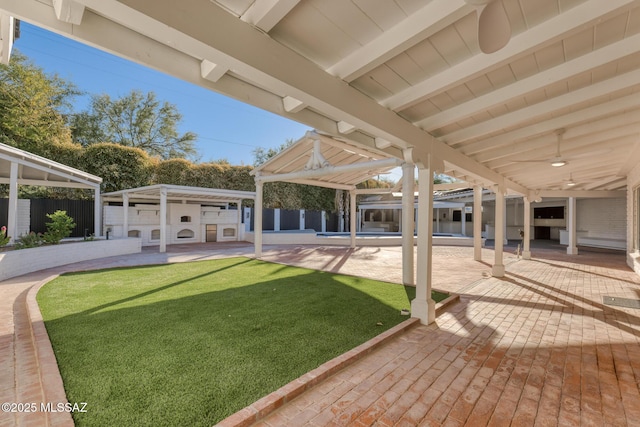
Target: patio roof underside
{"x":323,"y":161}
{"x":180,"y":194}
{"x":36,"y":170}
{"x":404,"y":74}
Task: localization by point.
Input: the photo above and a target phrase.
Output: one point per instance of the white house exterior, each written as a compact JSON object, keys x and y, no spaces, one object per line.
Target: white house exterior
{"x":599,"y":222}
{"x":186,"y":223}
{"x":171,"y":214}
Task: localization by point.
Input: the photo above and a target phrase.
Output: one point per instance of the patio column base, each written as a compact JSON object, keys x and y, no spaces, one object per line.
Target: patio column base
{"x":424,"y":310}
{"x":497,"y":270}
{"x":526,"y":254}
{"x":572,"y":250}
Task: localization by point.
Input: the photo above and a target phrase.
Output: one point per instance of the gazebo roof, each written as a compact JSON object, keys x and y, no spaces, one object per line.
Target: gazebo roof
{"x":320,"y":160}
{"x":37,"y":170}
{"x":182,"y":193}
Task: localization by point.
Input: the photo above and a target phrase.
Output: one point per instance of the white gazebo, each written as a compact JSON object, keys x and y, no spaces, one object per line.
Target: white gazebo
{"x":165,"y":193}
{"x":19,"y":167}
{"x":318,"y":159}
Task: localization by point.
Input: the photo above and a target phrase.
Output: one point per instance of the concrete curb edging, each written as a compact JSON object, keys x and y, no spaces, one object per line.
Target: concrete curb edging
{"x":266,"y":405}
{"x":50,"y":378}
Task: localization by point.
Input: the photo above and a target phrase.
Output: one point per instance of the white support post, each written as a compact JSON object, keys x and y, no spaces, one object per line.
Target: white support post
{"x":498,"y":266}
{"x":276,"y":219}
{"x":463,"y":221}
{"x":257,"y":221}
{"x":408,"y":201}
{"x":352,"y":218}
{"x":239,"y":227}
{"x":526,"y":251}
{"x":477,"y":223}
{"x":12,"y":214}
{"x":505,"y":239}
{"x":572,"y":249}
{"x":97,"y":213}
{"x":323,"y":220}
{"x":247,"y":219}
{"x":423,"y":306}
{"x":125,"y":213}
{"x":302,"y":225}
{"x":163,"y":220}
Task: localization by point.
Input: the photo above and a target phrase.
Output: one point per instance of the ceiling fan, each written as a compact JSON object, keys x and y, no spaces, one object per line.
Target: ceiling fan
{"x":558,"y":160}
{"x":494,"y":29}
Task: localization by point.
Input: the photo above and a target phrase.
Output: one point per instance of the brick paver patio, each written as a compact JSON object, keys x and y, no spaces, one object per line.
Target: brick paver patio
{"x":537,"y":347}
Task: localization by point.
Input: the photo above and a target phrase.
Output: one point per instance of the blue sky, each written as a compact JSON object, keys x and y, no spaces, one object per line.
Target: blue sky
{"x":226,"y":128}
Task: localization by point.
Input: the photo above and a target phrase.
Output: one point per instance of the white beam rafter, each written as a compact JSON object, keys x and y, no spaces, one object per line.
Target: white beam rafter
{"x":587,"y":115}
{"x":265,"y":14}
{"x":331,"y":170}
{"x":68,"y":11}
{"x":545,"y":108}
{"x":520,"y":88}
{"x":422,"y":24}
{"x":542,"y":35}
{"x":7,"y":29}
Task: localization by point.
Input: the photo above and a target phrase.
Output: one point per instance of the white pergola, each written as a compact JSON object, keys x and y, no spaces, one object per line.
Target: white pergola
{"x":407,"y":77}
{"x":19,"y":167}
{"x":165,"y":193}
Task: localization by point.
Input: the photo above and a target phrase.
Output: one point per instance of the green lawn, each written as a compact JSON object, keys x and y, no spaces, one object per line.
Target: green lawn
{"x":190,"y":344}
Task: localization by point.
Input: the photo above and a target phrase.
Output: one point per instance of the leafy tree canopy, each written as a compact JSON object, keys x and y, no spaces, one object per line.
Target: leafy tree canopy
{"x":135,"y":120}
{"x":33,"y":106}
{"x":261,"y":155}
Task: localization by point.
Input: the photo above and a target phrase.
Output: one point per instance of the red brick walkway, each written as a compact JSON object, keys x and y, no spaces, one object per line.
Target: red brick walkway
{"x":537,"y":347}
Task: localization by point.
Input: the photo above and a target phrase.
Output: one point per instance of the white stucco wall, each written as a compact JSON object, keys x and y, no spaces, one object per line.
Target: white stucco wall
{"x":16,"y":263}
{"x":604,"y":218}
{"x":144,"y":222}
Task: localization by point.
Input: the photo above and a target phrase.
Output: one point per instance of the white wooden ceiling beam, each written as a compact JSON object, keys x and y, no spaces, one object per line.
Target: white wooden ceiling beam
{"x":544,"y":108}
{"x":212,"y":71}
{"x":520,"y":88}
{"x":345,"y":128}
{"x":265,"y":14}
{"x":7,"y":31}
{"x":68,"y":11}
{"x":584,"y":194}
{"x":293,"y":105}
{"x":548,"y":32}
{"x":614,"y":108}
{"x":576,"y":137}
{"x":419,"y":26}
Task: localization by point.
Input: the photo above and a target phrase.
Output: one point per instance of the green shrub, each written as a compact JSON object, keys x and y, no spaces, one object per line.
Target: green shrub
{"x":119,"y":167}
{"x":60,"y":227}
{"x":31,"y":240}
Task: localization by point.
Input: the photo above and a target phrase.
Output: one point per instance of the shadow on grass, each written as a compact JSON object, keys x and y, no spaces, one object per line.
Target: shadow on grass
{"x":193,"y":360}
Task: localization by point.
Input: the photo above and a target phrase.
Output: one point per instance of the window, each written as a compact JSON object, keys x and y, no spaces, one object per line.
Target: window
{"x":229,"y":232}
{"x":155,"y":234}
{"x":185,"y":218}
{"x":134,"y":233}
{"x":186,"y":234}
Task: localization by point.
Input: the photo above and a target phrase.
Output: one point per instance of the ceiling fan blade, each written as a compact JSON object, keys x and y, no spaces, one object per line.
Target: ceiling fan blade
{"x":494,"y":29}
{"x":593,"y":153}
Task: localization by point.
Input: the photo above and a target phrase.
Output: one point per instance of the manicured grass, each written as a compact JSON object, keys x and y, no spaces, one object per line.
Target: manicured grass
{"x":190,"y":344}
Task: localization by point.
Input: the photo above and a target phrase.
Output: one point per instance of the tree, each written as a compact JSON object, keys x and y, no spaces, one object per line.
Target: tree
{"x":134,"y":120}
{"x":261,"y":155}
{"x":33,"y":106}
